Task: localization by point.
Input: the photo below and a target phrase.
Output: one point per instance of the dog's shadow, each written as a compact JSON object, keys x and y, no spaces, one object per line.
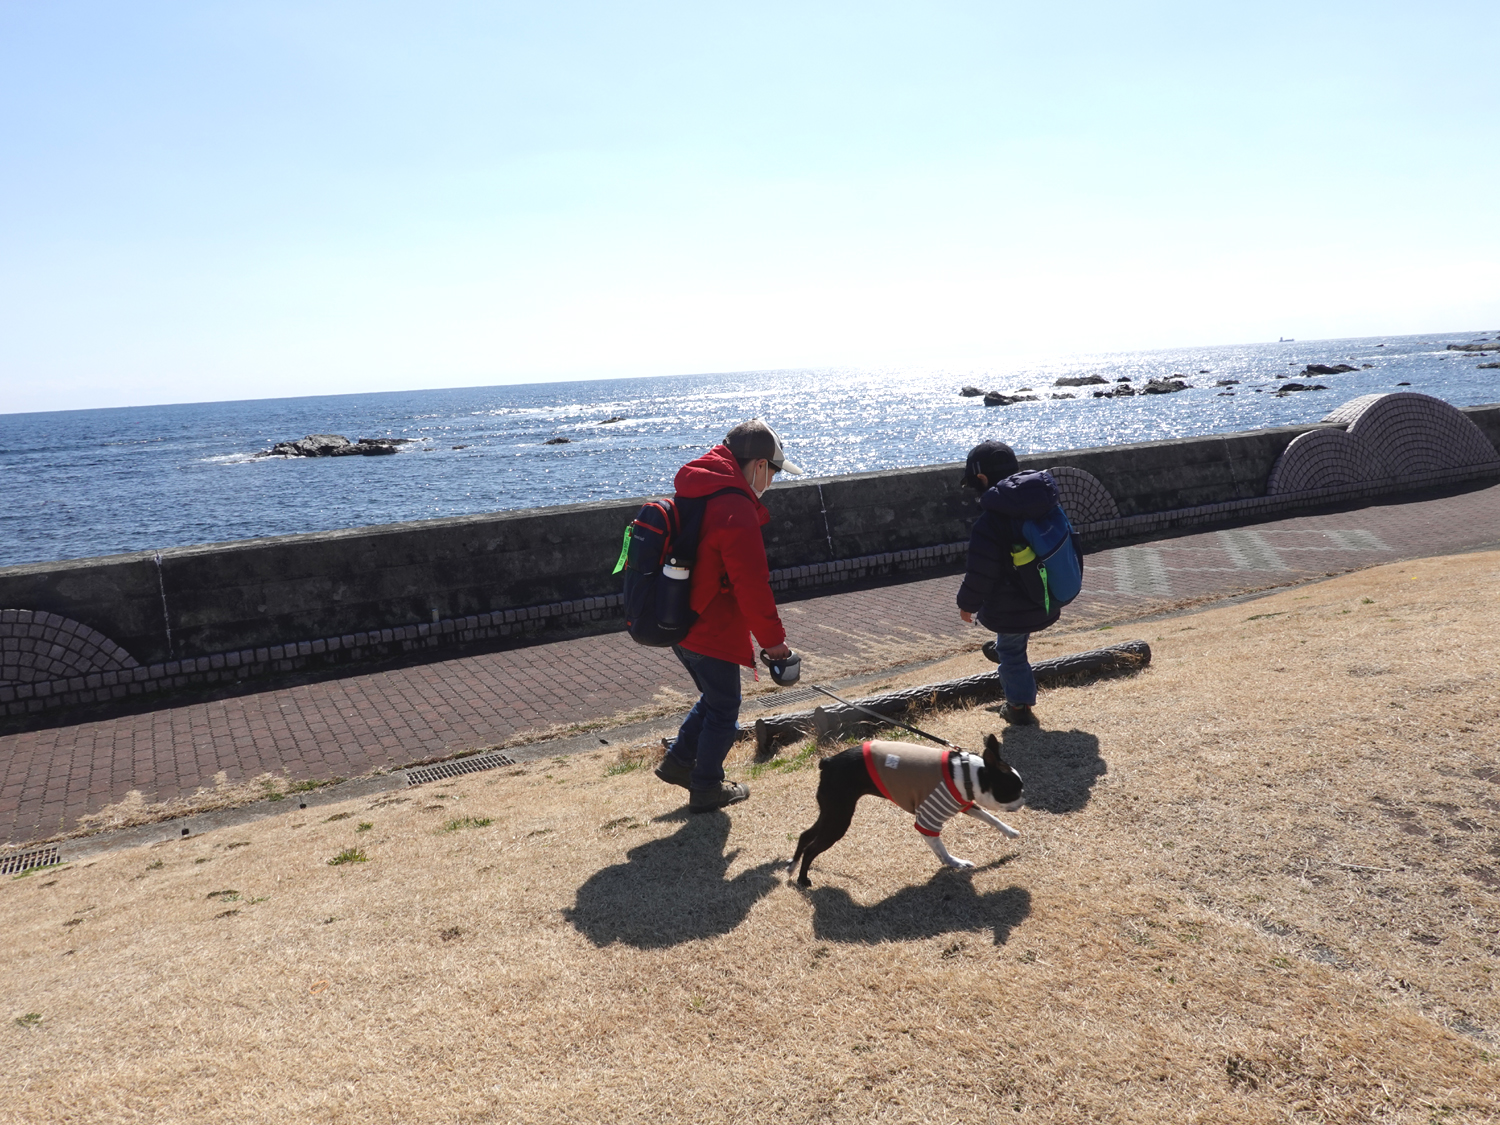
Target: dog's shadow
{"x":1059,"y":767}
{"x":946,"y":903}
{"x":671,"y":890}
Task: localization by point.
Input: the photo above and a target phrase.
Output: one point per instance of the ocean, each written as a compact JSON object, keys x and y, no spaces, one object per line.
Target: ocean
{"x":82,"y":483}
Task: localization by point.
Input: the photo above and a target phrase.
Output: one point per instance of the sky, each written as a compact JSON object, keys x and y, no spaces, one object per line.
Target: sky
{"x":203,"y":202}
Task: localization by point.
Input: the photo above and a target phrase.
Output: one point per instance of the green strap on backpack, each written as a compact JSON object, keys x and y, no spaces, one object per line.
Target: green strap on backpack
{"x":624,"y":552}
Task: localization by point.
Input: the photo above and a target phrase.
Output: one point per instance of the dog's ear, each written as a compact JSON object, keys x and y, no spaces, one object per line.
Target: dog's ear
{"x":1000,"y":778}
{"x":992,"y":757}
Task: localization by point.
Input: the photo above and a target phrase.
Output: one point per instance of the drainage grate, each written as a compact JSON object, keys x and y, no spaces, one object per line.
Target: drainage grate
{"x":25,"y":861}
{"x":783,"y":698}
{"x":457,"y":768}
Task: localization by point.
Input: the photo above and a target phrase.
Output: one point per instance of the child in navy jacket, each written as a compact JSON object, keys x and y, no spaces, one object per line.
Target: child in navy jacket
{"x":1007,"y":599}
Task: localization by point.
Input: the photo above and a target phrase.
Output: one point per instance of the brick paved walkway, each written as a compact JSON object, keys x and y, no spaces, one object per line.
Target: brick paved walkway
{"x":347,"y":727}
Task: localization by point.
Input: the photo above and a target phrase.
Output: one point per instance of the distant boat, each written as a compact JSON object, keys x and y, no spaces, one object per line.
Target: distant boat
{"x":1287,"y":340}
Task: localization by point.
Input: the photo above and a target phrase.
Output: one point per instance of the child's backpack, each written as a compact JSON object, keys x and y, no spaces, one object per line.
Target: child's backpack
{"x":657,"y":556}
{"x":1053,"y":546}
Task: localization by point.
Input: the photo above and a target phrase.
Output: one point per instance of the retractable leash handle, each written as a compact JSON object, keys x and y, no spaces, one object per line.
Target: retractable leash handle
{"x":785,"y":671}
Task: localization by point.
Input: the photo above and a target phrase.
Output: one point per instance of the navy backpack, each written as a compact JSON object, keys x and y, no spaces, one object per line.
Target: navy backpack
{"x":657,"y":556}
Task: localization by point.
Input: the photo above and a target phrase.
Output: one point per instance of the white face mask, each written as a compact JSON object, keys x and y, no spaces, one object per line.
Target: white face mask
{"x":755,"y":474}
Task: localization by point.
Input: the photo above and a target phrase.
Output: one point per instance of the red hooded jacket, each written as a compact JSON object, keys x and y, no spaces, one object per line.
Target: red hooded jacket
{"x":731,"y":579}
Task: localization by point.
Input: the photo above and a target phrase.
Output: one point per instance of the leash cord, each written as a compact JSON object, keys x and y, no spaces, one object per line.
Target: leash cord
{"x":891,"y":722}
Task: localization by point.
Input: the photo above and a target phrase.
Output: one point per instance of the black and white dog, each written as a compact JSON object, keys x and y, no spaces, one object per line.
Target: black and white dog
{"x":934,"y":783}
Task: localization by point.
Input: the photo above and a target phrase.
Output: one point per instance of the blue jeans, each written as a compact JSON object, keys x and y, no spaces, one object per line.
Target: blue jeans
{"x":704,"y":739}
{"x":1015,"y":669}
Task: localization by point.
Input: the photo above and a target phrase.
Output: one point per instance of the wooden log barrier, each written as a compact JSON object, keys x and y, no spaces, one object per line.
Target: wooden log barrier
{"x":836,"y":721}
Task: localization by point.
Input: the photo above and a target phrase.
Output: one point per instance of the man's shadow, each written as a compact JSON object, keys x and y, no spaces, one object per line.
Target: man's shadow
{"x":1059,"y":767}
{"x":671,"y":890}
{"x":946,"y":903}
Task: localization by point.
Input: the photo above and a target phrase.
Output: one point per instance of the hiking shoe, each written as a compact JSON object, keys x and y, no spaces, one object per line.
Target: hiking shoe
{"x":990,"y":654}
{"x":728,"y":793}
{"x":1020,"y":716}
{"x":674,"y":772}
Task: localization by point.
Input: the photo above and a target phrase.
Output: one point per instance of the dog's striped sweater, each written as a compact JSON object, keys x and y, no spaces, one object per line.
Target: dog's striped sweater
{"x":934,"y":783}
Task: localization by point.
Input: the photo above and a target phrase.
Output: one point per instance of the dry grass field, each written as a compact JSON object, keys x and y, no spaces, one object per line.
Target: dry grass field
{"x":1257,"y":882}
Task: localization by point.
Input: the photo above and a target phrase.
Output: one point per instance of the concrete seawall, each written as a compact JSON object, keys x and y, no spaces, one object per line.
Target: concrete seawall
{"x":92,"y":630}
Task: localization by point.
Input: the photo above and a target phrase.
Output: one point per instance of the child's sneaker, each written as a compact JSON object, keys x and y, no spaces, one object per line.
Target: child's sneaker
{"x":1017,"y":714}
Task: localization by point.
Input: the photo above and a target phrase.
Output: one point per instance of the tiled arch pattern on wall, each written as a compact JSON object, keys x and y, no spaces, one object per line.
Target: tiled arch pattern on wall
{"x":1389,"y":437}
{"x":41,"y":647}
{"x":1083,"y":497}
{"x":1323,"y":459}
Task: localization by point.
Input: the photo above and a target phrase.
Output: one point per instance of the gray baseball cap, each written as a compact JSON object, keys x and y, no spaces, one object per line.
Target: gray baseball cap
{"x":752,"y":440}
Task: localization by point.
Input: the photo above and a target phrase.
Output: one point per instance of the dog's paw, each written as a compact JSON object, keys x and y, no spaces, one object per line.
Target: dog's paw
{"x":959,"y":864}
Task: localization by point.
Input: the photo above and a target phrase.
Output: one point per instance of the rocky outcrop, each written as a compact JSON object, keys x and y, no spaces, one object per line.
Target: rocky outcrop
{"x":1289,"y":388}
{"x":1484,"y":365}
{"x":334,"y":445}
{"x":1163,"y":387}
{"x":971,"y":392}
{"x":995,"y":398}
{"x":558,"y":441}
{"x":1226,"y":382}
{"x":1326,"y":369}
{"x":1080,"y":381}
{"x":1481,"y":347}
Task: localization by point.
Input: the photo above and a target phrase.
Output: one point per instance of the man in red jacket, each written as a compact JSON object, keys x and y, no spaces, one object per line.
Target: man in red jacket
{"x":731,"y":593}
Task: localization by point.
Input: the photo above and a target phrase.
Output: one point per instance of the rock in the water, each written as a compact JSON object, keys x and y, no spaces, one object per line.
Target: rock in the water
{"x":971,"y":392}
{"x":1163,"y":386}
{"x":1064,"y":396}
{"x":1203,"y":371}
{"x":1226,"y":382}
{"x":558,"y":441}
{"x":1403,"y":384}
{"x":1226,"y":394}
{"x":1288,"y":388}
{"x":1079,"y":381}
{"x":334,"y":445}
{"x":1484,"y":365}
{"x":612,"y":421}
{"x":1123,"y":379}
{"x":1471,"y":347}
{"x":1325,"y":369}
{"x":995,"y":398}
